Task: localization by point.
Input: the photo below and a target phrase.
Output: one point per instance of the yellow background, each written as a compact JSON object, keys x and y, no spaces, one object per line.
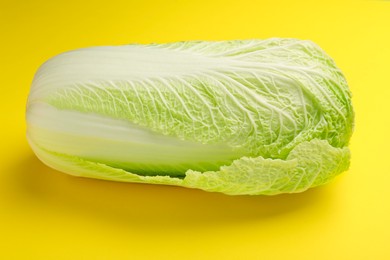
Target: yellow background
{"x":45,"y":214}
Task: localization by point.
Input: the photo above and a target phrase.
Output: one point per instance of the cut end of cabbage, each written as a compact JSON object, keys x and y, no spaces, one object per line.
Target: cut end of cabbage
{"x":237,"y":117}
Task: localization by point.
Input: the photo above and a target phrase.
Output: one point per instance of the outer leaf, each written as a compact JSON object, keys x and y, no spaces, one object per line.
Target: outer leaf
{"x":310,"y":164}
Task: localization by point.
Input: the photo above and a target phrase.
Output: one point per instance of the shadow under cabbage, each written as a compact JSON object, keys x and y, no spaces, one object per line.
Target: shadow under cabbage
{"x":150,"y":206}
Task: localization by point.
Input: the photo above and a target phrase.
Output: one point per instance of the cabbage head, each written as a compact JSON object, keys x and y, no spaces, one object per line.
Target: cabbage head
{"x":238,"y":117}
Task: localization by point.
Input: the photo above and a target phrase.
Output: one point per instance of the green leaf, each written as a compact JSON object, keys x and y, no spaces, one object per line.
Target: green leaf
{"x":310,"y":164}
